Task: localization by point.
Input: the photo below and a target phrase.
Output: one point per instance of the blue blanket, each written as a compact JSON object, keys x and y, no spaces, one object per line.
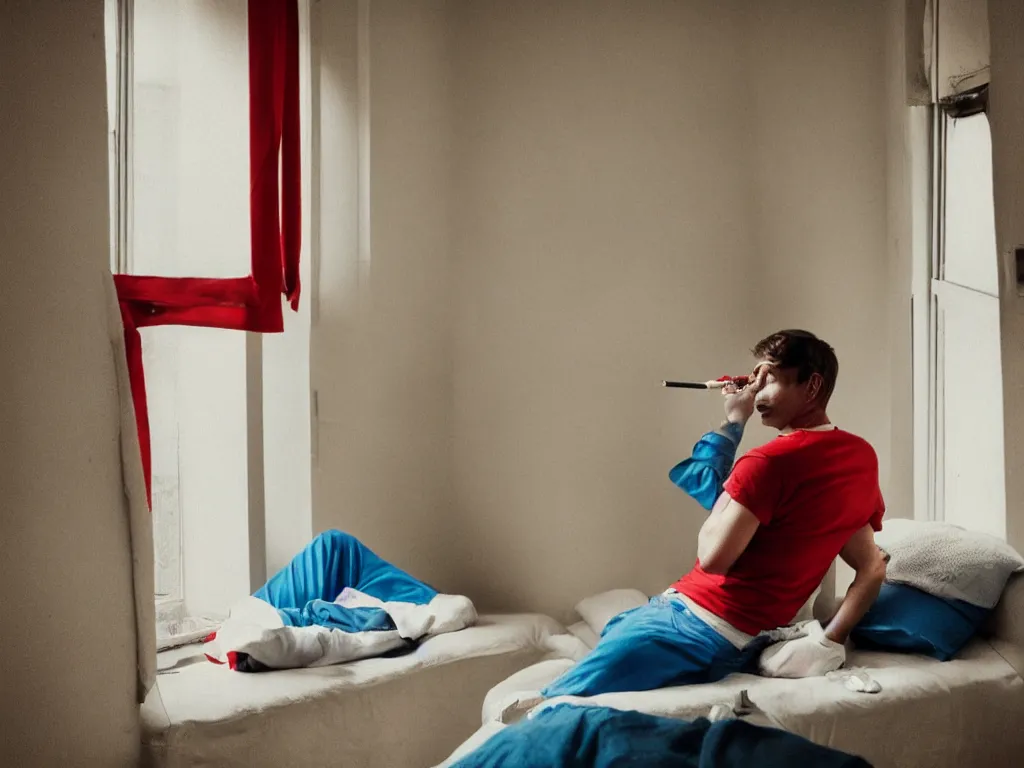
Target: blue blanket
{"x":335,"y":602}
{"x":568,"y":736}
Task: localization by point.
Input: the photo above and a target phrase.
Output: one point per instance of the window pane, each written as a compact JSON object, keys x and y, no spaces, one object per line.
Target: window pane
{"x":197,"y":399}
{"x":190,"y":150}
{"x":971,"y":255}
{"x":189,"y":213}
{"x":160,"y":360}
{"x":972,"y":402}
{"x":970,"y":397}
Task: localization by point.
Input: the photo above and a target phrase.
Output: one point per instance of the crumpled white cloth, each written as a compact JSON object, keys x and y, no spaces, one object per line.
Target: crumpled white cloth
{"x":801,"y":650}
{"x":255,"y":628}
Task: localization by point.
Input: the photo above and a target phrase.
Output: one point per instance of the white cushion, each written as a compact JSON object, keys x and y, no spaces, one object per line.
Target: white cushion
{"x":598,"y":610}
{"x":586,"y":635}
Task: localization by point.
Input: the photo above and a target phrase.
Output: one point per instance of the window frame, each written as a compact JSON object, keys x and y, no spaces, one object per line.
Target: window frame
{"x":249,"y":303}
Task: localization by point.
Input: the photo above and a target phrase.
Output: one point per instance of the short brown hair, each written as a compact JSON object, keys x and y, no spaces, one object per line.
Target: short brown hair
{"x":804,"y":352}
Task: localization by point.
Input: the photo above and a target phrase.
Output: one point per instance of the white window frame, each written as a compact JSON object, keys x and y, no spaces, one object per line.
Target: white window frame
{"x":928,"y":129}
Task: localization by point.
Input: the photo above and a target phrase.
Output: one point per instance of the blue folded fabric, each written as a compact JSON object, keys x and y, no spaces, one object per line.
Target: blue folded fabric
{"x":704,"y":473}
{"x":304,"y":591}
{"x":911,"y":621}
{"x":568,"y":736}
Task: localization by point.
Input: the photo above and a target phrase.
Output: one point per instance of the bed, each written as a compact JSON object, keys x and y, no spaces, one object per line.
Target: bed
{"x":407,"y":710}
{"x":929,"y":713}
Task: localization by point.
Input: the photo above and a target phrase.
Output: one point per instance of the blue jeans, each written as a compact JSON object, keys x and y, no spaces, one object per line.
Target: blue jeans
{"x":304,"y":591}
{"x":656,"y":645}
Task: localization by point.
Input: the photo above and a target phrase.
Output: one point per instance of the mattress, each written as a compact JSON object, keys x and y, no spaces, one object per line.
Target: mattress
{"x":410,"y":710}
{"x":930,"y":714}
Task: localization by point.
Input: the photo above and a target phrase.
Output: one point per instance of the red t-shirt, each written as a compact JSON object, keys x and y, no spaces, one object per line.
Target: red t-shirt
{"x":811,"y":491}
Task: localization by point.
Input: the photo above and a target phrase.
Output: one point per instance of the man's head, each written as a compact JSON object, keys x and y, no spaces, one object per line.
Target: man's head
{"x":801,"y":372}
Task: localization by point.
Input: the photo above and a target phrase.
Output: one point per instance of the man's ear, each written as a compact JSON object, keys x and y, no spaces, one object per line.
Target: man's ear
{"x":814,"y":385}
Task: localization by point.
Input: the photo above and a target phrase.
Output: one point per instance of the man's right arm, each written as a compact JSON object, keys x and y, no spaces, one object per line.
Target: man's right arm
{"x":725,"y":535}
{"x":704,"y":473}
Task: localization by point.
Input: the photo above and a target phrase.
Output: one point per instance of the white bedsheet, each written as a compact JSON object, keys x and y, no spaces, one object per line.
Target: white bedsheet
{"x":405,"y":711}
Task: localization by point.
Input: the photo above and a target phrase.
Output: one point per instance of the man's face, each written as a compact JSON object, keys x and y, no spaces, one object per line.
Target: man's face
{"x":781,"y":400}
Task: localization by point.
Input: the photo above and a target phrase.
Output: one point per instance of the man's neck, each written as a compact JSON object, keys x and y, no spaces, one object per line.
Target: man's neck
{"x":812,"y":420}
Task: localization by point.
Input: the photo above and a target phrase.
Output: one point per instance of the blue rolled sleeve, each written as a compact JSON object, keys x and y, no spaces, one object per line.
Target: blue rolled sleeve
{"x":704,"y":473}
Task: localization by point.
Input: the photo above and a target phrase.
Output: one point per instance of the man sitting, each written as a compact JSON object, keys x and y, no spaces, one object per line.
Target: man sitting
{"x":778,"y":521}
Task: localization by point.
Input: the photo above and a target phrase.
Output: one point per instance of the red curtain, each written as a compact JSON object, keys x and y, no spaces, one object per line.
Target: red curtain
{"x":252,"y":303}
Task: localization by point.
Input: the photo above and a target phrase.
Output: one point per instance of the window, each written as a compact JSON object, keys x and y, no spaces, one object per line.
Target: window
{"x":959,"y":468}
{"x":199,"y":256}
{"x":968,"y":449}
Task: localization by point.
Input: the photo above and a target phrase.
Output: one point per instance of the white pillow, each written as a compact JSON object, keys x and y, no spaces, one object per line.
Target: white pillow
{"x":598,"y":610}
{"x":584,"y":633}
{"x":948,"y":561}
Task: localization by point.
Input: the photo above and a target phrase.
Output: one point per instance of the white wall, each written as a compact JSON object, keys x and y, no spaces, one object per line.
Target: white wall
{"x":381,"y":345}
{"x":643,"y":195}
{"x":603,"y":243}
{"x":533,"y":213}
{"x":819,"y":185}
{"x":67,"y":671}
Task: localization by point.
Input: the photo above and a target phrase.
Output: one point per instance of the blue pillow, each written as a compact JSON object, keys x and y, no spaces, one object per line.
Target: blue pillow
{"x":906,"y":619}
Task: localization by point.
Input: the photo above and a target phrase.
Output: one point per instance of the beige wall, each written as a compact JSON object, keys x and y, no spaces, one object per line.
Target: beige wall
{"x":381,"y":342}
{"x":629,"y":194}
{"x":67,"y":670}
{"x":603,"y":243}
{"x":1006,"y":118}
{"x":641,"y":195}
{"x":818,"y":125}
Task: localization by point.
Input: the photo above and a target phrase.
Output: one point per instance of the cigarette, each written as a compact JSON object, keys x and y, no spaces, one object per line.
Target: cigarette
{"x":739,"y":381}
{"x":688,"y":384}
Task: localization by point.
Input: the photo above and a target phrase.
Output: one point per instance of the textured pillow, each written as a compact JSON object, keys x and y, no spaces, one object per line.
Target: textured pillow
{"x":602,"y":608}
{"x":909,"y":620}
{"x":948,"y":561}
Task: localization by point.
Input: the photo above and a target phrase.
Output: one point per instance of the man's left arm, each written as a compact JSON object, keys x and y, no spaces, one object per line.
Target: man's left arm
{"x":725,"y":535}
{"x":868,"y":562}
